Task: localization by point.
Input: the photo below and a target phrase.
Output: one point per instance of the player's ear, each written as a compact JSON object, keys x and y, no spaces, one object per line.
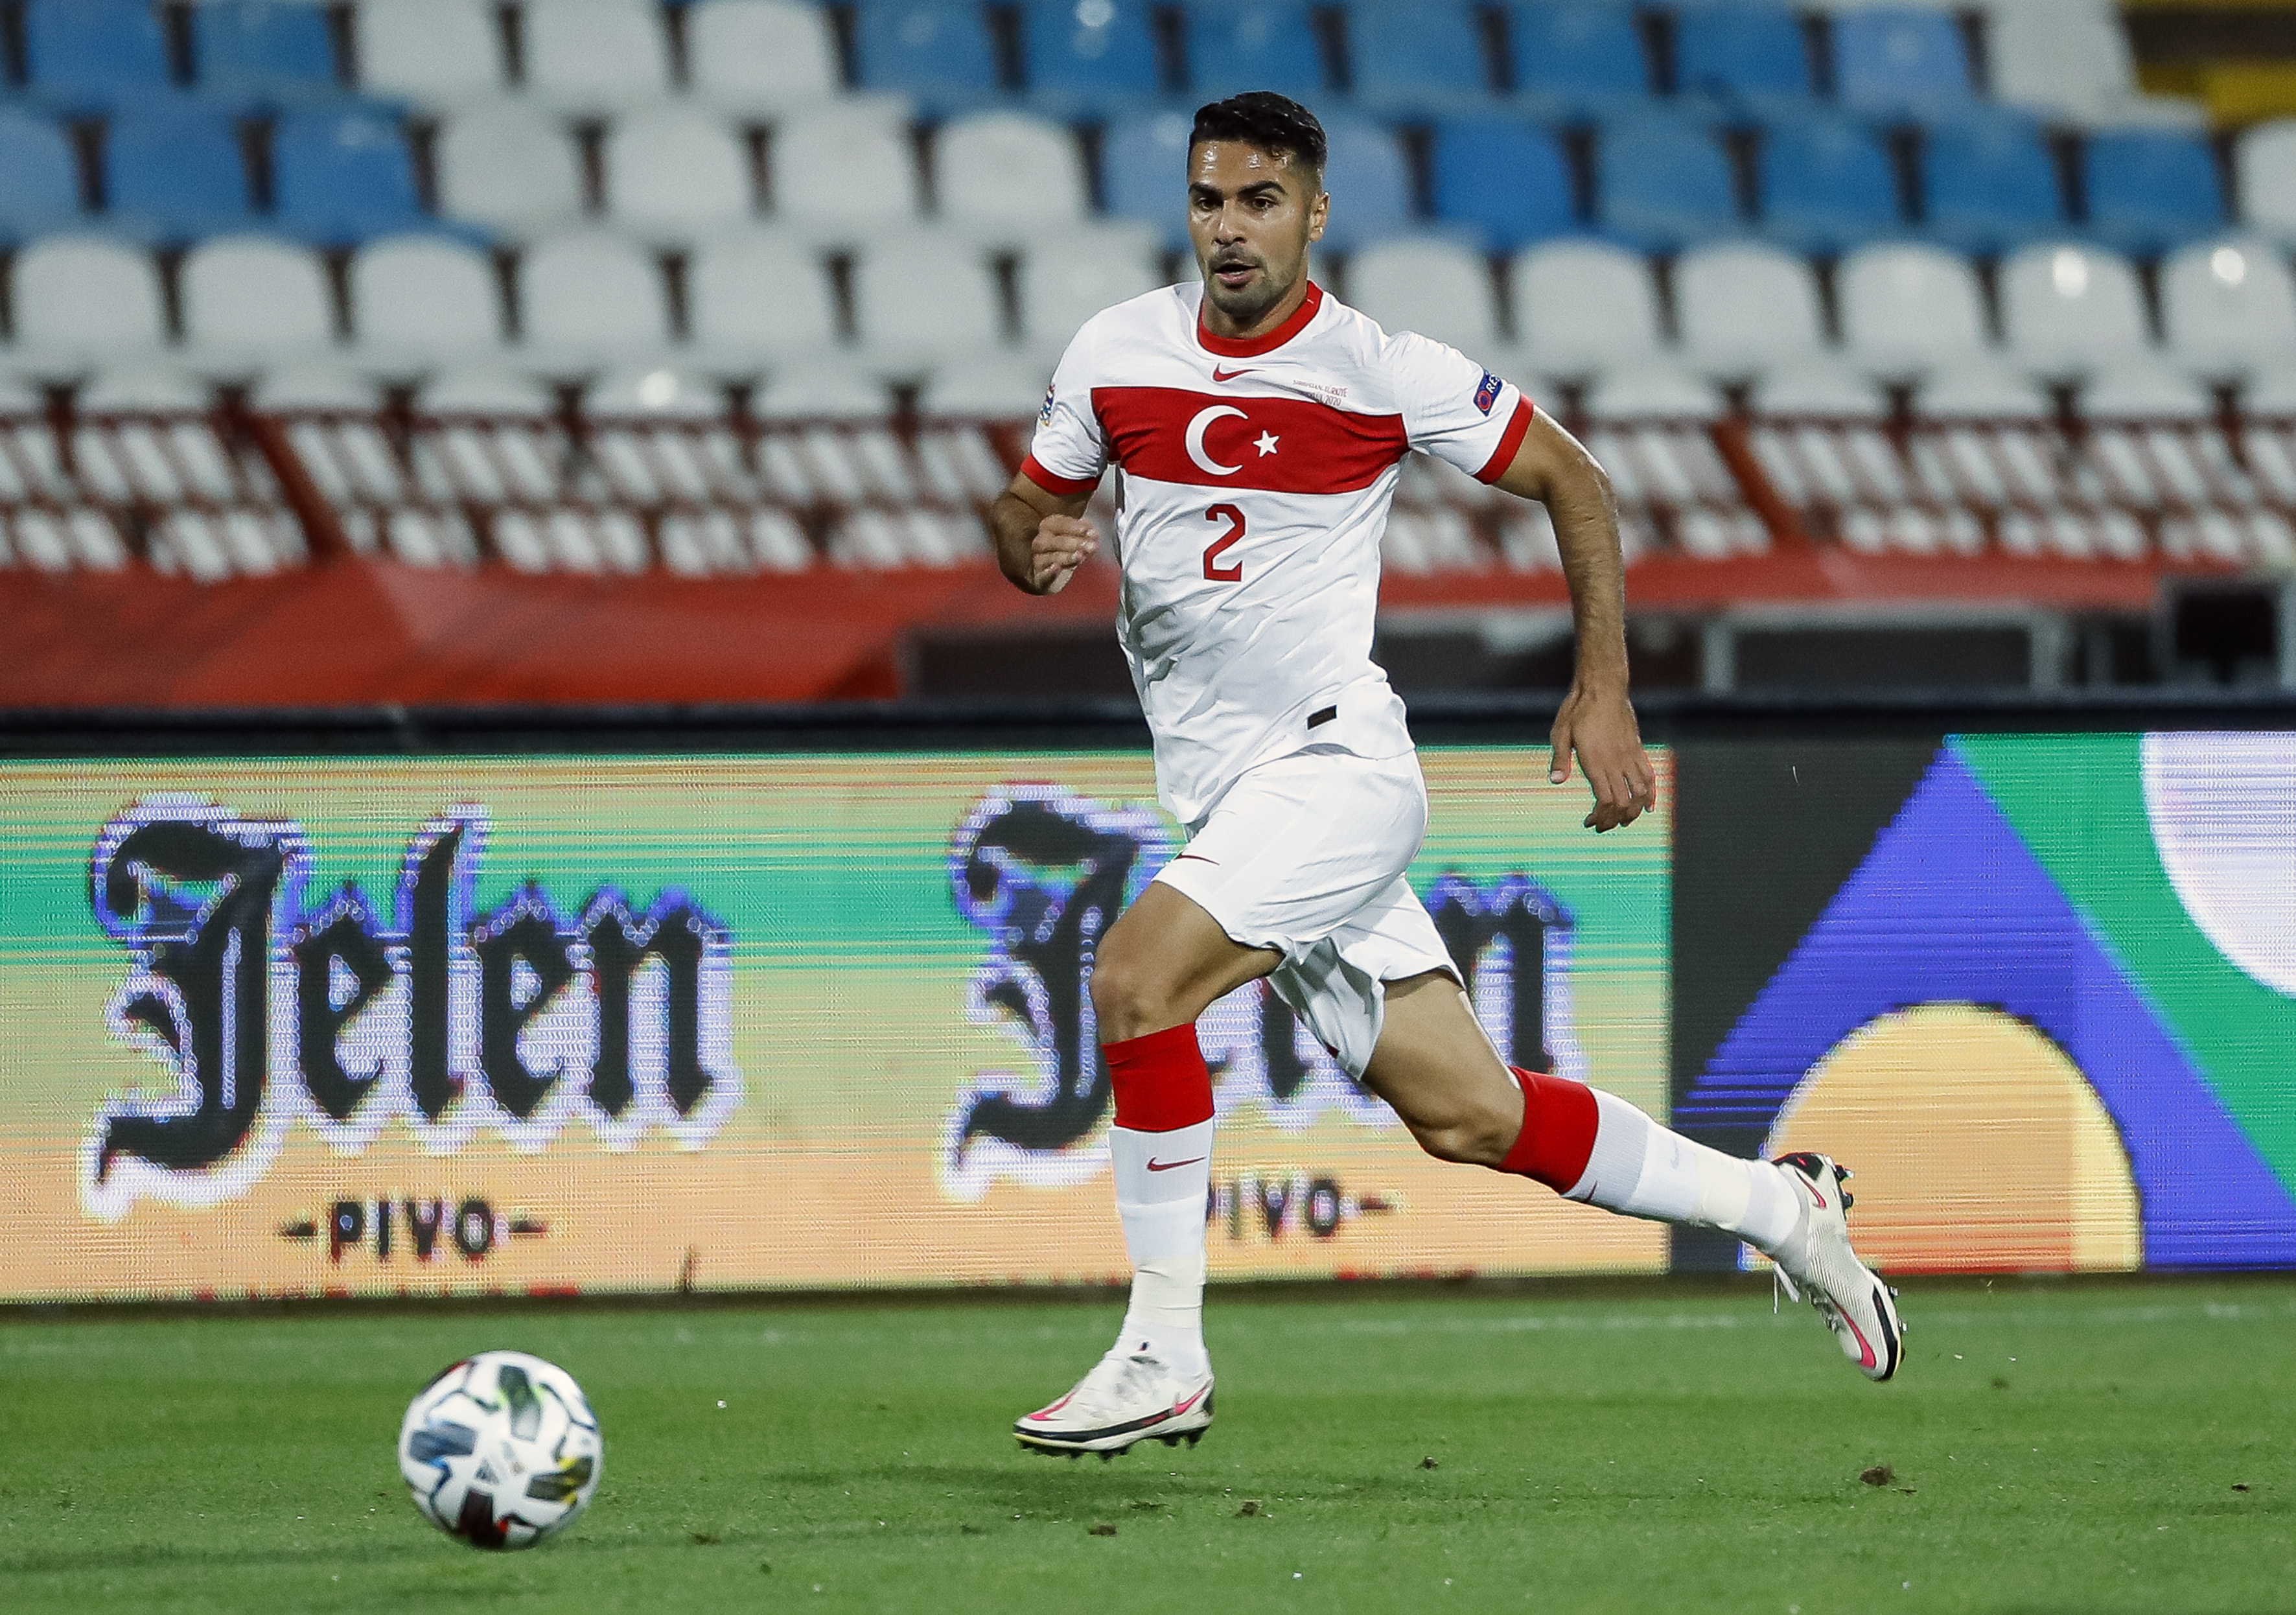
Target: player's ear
{"x":1319,"y":214}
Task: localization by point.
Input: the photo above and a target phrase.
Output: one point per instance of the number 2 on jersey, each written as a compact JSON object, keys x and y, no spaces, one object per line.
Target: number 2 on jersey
{"x":1221,"y":544}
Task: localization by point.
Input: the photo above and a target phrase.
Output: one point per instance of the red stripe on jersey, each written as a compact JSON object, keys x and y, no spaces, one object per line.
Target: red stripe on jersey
{"x":1251,"y":348}
{"x":1503,"y":456}
{"x":1033,"y":469}
{"x":1280,"y":446}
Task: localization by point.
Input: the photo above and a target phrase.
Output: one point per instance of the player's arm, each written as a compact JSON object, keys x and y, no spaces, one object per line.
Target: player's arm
{"x":1597,"y":721}
{"x":1042,"y":537}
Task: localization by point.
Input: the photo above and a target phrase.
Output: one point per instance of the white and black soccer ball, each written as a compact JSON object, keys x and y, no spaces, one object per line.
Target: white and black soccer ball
{"x":501,"y":1450}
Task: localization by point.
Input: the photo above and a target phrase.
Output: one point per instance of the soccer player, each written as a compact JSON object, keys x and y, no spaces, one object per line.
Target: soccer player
{"x":1256,"y":425}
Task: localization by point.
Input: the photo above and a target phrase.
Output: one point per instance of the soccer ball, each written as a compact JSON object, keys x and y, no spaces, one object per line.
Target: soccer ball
{"x":501,"y":1450}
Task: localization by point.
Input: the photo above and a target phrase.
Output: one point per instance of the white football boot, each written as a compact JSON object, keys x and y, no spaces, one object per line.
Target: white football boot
{"x":1816,"y":1263}
{"x":1128,"y":1396}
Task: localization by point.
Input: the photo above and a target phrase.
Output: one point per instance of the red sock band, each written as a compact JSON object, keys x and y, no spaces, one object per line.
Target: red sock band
{"x":1160,"y":1080}
{"x":1558,"y":1130}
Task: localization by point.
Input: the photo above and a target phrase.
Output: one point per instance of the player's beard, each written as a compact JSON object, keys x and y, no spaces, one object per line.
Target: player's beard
{"x":1248,"y":305}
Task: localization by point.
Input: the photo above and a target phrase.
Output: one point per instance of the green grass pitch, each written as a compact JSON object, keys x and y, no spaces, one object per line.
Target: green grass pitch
{"x":2051,"y":1447}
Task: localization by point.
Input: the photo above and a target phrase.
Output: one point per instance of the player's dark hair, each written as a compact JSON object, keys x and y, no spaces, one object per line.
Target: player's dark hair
{"x":1274,"y":124}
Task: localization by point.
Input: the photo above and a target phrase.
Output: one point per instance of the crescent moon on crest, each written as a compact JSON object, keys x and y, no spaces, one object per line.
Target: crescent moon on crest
{"x":1195,"y":439}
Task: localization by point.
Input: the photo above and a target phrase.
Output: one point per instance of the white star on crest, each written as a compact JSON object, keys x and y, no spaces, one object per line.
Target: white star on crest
{"x":1265,"y":445}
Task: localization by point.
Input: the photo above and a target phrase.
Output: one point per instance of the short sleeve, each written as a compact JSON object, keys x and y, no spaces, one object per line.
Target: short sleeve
{"x":1454,"y":409}
{"x":1069,"y":453}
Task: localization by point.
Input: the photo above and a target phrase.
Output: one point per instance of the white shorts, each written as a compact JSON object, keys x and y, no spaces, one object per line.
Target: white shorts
{"x":1306,"y":856}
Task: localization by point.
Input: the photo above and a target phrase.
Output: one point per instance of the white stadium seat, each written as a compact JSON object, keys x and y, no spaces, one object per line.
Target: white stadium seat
{"x":487,"y":390}
{"x":2265,"y":163}
{"x":757,"y":293}
{"x":673,"y":167}
{"x":85,"y":297}
{"x":246,"y":295}
{"x":925,"y":294}
{"x":2229,"y":306}
{"x":1650,"y":388}
{"x":432,"y":50}
{"x":2067,"y":308}
{"x":1578,"y":305}
{"x":666,"y":391}
{"x":1906,"y":308}
{"x":1817,"y":386}
{"x":317,"y":384}
{"x":1438,"y":288}
{"x":832,"y":389}
{"x":511,"y":166}
{"x":1065,"y":280}
{"x":589,"y":296}
{"x":424,"y":297}
{"x":760,"y":54}
{"x":143,"y":387}
{"x":2139,"y":388}
{"x":595,"y":53}
{"x":1745,"y":307}
{"x":1005,"y":170}
{"x":2070,"y":58}
{"x":1979,"y":386}
{"x":995,"y":385}
{"x":844,"y":162}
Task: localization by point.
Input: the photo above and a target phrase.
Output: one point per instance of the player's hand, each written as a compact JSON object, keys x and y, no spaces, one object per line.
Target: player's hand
{"x":1062,"y":545}
{"x":1600,"y":727}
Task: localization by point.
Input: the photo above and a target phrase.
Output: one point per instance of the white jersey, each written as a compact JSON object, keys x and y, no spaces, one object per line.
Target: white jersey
{"x":1255,"y":483}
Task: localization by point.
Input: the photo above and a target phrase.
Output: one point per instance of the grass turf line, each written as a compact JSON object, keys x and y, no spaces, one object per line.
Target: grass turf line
{"x":2052,"y":1448}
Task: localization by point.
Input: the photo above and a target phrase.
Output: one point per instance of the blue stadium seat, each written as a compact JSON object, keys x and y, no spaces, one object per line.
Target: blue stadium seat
{"x":1254,"y":44}
{"x":340,"y":174}
{"x":1665,"y":181}
{"x":2151,"y":190}
{"x":1089,"y":53}
{"x":39,"y":185}
{"x":1741,"y":52}
{"x":90,"y":51}
{"x":1369,"y":183}
{"x":1578,"y":54}
{"x":1507,"y":182}
{"x":1826,"y":185}
{"x":1893,"y":61}
{"x":1144,"y":170}
{"x":263,"y":47}
{"x":1990,"y":184}
{"x":936,"y":50}
{"x":1418,"y":55}
{"x":174,"y":173}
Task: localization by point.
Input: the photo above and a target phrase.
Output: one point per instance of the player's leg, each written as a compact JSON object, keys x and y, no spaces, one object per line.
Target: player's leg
{"x":1434,"y":1065}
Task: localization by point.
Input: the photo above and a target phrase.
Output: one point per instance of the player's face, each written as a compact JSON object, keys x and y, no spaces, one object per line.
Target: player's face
{"x":1250,"y":216}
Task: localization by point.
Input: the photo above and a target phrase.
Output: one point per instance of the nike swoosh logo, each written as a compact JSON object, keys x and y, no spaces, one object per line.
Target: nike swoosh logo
{"x":1166,"y":1166}
{"x":1229,"y":375}
{"x":1198,"y":857}
{"x":1814,"y":1194}
{"x":1181,"y":1407}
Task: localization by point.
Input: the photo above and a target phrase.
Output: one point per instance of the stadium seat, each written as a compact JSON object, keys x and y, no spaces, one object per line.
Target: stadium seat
{"x":1978,"y":387}
{"x":672,"y":168}
{"x":508,"y":165}
{"x":662,"y":392}
{"x":1010,"y":170}
{"x":586,"y":296}
{"x":1436,"y":288}
{"x":79,"y":299}
{"x":1087,"y":54}
{"x":2070,"y":61}
{"x":937,"y":49}
{"x":1899,"y":59}
{"x":2229,"y":306}
{"x":992,"y":386}
{"x":1507,"y":181}
{"x":1819,"y":387}
{"x":94,"y":53}
{"x":1254,"y":44}
{"x":2151,"y":190}
{"x":1418,"y":56}
{"x":759,"y":293}
{"x":429,"y":50}
{"x":417,"y":300}
{"x":845,"y":160}
{"x":1144,"y":163}
{"x":1578,"y":55}
{"x":487,"y":390}
{"x":1826,"y":185}
{"x":1583,"y":304}
{"x":1369,"y":184}
{"x":591,"y":54}
{"x":1665,"y":181}
{"x":1906,"y":308}
{"x":250,"y":297}
{"x":2066,"y":309}
{"x":1742,"y":53}
{"x":1743,"y":307}
{"x":1652,"y":390}
{"x":39,"y":183}
{"x":341,"y":172}
{"x":828,"y":389}
{"x":1064,"y":283}
{"x":1990,"y":184}
{"x":267,"y":48}
{"x":2265,"y":161}
{"x":925,"y":296}
{"x":174,"y":172}
{"x":2145,"y":388}
{"x":142,"y":386}
{"x":761,"y":54}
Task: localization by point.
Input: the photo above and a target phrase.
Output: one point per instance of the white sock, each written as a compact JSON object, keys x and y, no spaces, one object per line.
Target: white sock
{"x":1643,"y":1170}
{"x":1161,"y":1182}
